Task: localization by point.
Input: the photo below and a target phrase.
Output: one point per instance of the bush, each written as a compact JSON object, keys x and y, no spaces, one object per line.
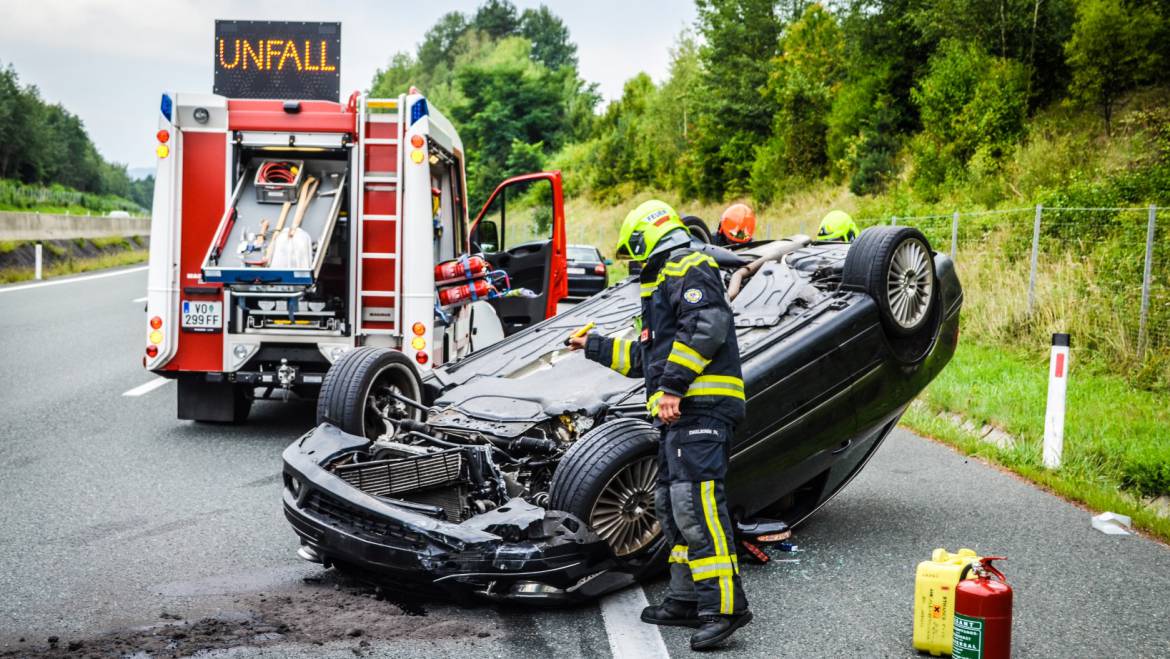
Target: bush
{"x":969,"y":102}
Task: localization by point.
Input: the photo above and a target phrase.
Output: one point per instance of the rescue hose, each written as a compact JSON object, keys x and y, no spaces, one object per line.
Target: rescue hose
{"x":771,"y":252}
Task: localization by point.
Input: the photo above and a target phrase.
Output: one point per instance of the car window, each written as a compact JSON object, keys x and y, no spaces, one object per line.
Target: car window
{"x":580,"y":253}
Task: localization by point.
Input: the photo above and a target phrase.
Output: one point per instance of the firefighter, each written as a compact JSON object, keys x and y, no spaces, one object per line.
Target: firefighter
{"x":688,"y":355}
{"x":838,"y":225}
{"x":737,"y":225}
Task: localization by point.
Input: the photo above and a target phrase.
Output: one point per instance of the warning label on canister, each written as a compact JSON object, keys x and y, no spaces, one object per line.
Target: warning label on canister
{"x":968,"y":638}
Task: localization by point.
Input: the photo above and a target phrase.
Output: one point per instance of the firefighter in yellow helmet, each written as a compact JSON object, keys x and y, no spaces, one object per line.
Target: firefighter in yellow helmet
{"x":838,"y":225}
{"x":690,"y":360}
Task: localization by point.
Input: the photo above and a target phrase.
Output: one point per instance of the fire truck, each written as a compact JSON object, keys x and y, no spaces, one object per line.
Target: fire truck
{"x":288,"y":233}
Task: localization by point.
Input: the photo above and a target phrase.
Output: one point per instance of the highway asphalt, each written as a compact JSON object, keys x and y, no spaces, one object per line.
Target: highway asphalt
{"x":121,"y":526}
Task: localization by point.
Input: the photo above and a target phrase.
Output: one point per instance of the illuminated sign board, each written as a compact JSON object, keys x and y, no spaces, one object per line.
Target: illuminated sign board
{"x":291,"y":60}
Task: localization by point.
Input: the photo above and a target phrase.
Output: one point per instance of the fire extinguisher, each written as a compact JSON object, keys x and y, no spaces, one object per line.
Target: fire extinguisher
{"x":467,"y":267}
{"x":983,"y":613}
{"x":473,"y":290}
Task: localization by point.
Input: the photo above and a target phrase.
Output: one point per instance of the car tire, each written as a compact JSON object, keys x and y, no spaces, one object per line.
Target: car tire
{"x":698,"y":228}
{"x":617,"y":449}
{"x":350,"y":382}
{"x":895,"y":266}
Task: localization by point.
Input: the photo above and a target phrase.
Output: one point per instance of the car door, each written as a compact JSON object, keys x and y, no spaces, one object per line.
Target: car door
{"x":521,"y":231}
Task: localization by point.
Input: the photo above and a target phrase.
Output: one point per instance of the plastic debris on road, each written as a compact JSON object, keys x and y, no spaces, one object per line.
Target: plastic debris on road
{"x":1112,"y":524}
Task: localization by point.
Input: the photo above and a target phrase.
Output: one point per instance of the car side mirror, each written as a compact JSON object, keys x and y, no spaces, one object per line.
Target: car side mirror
{"x":609,"y":261}
{"x":487,"y":234}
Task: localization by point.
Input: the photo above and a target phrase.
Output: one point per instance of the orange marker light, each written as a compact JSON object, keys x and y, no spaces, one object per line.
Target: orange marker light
{"x":419,"y":329}
{"x":417,"y":141}
{"x":163,"y":135}
{"x":155,"y":322}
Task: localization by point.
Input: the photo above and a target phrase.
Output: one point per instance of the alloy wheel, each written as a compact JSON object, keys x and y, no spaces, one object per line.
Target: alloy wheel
{"x":624,"y":512}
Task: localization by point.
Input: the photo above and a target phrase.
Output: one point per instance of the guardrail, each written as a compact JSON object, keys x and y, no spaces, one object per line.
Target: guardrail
{"x":18,"y":225}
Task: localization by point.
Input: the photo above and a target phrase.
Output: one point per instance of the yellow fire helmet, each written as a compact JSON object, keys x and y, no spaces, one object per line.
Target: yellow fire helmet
{"x":838,"y":225}
{"x":644,"y":227}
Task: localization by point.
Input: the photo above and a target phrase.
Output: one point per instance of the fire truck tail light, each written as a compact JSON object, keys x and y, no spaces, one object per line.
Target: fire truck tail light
{"x":416,"y":141}
{"x":163,"y":151}
{"x":163,"y":135}
{"x":156,"y":337}
{"x":421,"y":357}
{"x":152,"y":351}
{"x":419,"y":329}
{"x":155,"y":323}
{"x":418,"y":343}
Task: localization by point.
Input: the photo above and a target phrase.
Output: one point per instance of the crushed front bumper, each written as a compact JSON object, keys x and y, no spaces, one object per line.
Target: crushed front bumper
{"x":515,"y":552}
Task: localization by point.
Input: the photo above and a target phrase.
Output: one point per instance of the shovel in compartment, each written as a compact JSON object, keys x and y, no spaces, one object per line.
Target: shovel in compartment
{"x":292,"y":248}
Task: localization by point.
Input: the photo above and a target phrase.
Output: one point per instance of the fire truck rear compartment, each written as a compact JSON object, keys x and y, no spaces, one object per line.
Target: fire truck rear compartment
{"x":272,"y":300}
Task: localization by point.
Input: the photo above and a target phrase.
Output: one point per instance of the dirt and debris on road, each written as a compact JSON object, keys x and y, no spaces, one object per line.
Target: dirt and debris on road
{"x":320,"y":611}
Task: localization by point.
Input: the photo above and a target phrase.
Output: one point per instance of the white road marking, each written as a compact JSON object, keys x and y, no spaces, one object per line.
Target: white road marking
{"x":146,"y":388}
{"x":139,"y":299}
{"x":629,"y":637}
{"x":70,"y":280}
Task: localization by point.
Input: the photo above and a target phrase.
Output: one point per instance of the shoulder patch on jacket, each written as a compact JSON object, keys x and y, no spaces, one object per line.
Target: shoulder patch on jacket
{"x":693,"y":295}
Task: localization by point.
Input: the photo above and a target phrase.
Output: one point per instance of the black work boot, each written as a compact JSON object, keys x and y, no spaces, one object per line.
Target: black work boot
{"x":715,"y":629}
{"x":673,"y":613}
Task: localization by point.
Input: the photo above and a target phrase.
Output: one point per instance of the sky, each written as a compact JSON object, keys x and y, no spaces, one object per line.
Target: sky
{"x":108,"y":61}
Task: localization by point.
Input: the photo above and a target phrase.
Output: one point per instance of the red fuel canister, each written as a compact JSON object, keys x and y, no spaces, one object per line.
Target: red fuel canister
{"x":983,"y":614}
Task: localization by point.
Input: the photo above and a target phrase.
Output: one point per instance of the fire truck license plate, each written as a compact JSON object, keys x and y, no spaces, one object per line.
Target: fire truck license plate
{"x":202,"y":316}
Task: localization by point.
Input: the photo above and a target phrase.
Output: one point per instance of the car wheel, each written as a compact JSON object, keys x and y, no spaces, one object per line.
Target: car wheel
{"x":607,"y":478}
{"x":698,"y":228}
{"x":895,"y":266}
{"x":361,"y":392}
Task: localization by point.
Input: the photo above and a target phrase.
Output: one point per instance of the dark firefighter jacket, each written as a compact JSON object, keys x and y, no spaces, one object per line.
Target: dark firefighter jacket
{"x":687,"y":345}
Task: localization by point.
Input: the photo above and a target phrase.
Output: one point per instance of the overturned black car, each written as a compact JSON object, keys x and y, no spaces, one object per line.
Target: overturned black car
{"x":525,"y":472}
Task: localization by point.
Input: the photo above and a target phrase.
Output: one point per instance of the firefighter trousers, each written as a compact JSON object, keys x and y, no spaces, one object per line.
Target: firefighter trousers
{"x":692,"y":510}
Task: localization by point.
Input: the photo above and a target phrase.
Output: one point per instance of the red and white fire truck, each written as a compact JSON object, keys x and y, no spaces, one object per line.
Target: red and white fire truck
{"x":286,"y":233}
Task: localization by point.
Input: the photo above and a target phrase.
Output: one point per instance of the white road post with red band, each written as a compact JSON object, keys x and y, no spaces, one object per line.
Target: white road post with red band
{"x":1057,"y":388}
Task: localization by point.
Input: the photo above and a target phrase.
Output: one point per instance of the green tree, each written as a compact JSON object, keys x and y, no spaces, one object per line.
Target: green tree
{"x":1111,"y":51}
{"x":969,"y":102}
{"x":805,"y":78}
{"x":549,"y":35}
{"x":497,"y":18}
{"x":740,"y":38}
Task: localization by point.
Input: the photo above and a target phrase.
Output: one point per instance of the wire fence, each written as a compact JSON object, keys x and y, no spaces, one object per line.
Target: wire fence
{"x":1101,"y":274}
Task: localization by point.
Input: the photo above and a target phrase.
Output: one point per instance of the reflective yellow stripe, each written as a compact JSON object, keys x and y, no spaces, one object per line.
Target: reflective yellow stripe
{"x":684,"y":355}
{"x":719,"y":540}
{"x":678,"y":554}
{"x":716,"y":561}
{"x":679,"y":268}
{"x":717,"y":385}
{"x":724,"y":574}
{"x":620,"y":359}
{"x":652,"y":403}
{"x":683,"y":361}
{"x":648,"y":289}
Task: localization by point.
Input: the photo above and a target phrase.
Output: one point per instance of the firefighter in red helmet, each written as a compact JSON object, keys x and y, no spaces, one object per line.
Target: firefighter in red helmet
{"x":736,"y":226}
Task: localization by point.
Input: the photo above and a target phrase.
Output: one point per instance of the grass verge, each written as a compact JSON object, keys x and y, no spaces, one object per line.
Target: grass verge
{"x":74,"y":266}
{"x":1116,"y":445}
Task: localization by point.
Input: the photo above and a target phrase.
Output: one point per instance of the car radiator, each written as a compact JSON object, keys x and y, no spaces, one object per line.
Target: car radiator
{"x":393,"y":477}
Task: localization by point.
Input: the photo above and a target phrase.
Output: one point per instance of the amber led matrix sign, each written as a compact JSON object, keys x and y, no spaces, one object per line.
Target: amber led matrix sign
{"x":275,"y":59}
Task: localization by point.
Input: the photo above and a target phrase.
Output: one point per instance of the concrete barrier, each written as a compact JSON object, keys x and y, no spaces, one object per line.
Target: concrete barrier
{"x":41,"y":226}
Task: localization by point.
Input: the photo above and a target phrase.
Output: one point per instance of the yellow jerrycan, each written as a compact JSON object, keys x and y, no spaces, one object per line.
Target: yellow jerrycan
{"x":934,"y":599}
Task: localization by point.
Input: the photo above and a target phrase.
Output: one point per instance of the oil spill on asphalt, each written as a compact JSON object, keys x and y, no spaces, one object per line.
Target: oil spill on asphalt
{"x":318,"y":611}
